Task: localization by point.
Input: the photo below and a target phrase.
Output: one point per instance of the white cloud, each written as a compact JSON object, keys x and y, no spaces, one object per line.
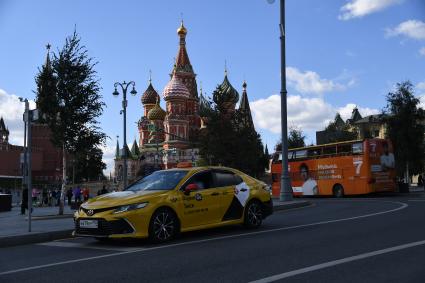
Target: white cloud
{"x":412,"y":28}
{"x":360,"y":8}
{"x":347,"y":110}
{"x":421,"y":86}
{"x":306,"y":113}
{"x":108,"y":156}
{"x":309,"y":114}
{"x":310,"y":82}
{"x":422,"y":51}
{"x":11,"y":109}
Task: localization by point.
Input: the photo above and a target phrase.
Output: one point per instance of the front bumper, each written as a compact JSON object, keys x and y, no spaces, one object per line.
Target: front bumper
{"x":105,"y":228}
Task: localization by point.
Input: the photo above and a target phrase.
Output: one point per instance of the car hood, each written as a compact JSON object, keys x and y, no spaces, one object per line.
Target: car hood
{"x":121,"y":198}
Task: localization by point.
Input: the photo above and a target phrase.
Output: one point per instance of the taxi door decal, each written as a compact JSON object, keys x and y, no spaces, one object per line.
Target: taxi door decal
{"x":236,"y":207}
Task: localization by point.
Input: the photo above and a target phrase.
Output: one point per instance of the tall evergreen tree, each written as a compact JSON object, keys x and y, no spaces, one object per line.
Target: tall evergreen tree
{"x":228,"y":142}
{"x":72,"y":113}
{"x":405,"y":128}
{"x":296,"y":138}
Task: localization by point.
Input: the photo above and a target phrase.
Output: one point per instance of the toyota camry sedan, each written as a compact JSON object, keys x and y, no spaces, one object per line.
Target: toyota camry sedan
{"x":167,"y":202}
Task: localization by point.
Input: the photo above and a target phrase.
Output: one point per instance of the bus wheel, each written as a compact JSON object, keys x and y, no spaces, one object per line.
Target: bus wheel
{"x":338,"y":191}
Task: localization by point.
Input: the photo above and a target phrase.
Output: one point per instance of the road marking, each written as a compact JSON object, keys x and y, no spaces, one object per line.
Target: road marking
{"x":416,"y":200}
{"x":336,"y":262}
{"x":402,"y":206}
{"x":63,"y":244}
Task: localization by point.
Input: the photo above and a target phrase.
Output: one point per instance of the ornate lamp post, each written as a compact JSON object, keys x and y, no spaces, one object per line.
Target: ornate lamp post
{"x":285,"y":181}
{"x":124,"y":86}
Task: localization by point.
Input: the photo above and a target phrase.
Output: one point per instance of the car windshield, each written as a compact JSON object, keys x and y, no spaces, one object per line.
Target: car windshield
{"x":159,"y":180}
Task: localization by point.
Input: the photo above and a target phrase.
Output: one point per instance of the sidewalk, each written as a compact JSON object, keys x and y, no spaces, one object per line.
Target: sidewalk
{"x":46,"y":225}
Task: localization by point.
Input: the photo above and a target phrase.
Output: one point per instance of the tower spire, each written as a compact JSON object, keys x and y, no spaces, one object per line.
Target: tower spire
{"x":48,"y":64}
{"x":244,"y":108}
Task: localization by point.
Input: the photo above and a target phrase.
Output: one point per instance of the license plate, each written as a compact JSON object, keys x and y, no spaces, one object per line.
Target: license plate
{"x":88,"y":224}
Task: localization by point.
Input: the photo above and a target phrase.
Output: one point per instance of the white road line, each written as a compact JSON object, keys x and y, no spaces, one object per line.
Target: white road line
{"x":337,"y":262}
{"x":402,"y":206}
{"x":416,"y":200}
{"x":63,"y":244}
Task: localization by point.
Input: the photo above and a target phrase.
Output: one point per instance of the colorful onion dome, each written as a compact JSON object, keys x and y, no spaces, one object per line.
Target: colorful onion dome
{"x":225,"y":93}
{"x":175,"y":89}
{"x":181,"y":30}
{"x":150,"y":95}
{"x":156,"y":113}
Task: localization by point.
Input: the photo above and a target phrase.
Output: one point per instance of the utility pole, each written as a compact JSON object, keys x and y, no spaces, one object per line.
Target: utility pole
{"x":27,"y":156}
{"x":285,"y":181}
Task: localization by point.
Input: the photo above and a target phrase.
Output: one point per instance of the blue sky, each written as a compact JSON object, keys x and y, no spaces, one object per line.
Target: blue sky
{"x":339,"y":53}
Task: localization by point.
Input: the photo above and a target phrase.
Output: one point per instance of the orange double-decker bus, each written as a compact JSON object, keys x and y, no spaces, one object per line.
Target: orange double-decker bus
{"x":343,"y":168}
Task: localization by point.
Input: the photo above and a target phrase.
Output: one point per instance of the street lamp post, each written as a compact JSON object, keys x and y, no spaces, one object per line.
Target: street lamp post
{"x":124,"y":86}
{"x":285,"y":182}
{"x":27,"y":157}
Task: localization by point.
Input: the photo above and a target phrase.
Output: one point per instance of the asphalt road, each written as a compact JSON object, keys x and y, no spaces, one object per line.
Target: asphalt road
{"x":348,"y":240}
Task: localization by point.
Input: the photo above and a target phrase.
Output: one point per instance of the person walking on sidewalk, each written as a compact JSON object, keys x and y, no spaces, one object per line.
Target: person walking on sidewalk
{"x":86,"y":193}
{"x":69,"y":195}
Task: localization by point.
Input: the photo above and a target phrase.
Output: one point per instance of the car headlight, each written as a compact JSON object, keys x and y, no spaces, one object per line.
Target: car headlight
{"x":129,"y":207}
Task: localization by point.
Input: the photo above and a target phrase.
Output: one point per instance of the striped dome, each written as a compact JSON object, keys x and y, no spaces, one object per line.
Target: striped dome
{"x":175,"y":89}
{"x":150,"y":95}
{"x":156,"y":113}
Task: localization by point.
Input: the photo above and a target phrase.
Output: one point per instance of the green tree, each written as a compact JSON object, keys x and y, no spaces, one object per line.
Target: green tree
{"x":76,"y":104}
{"x":227,"y":142}
{"x":338,"y":131}
{"x":296,"y":138}
{"x":405,"y":128}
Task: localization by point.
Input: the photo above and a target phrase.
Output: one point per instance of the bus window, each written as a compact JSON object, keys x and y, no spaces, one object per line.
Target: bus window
{"x":313,"y":153}
{"x":291,"y":155}
{"x":301,"y":154}
{"x":329,"y":150}
{"x":358,"y":147}
{"x":344,"y":148}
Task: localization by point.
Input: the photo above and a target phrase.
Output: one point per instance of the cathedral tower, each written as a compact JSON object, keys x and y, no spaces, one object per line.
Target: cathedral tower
{"x":184,"y":71}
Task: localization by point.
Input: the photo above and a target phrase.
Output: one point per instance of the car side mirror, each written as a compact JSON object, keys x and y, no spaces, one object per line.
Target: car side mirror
{"x":190,"y":188}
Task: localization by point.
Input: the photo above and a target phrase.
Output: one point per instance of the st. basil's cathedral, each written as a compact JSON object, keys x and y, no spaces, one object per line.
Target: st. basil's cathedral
{"x":168,"y":137}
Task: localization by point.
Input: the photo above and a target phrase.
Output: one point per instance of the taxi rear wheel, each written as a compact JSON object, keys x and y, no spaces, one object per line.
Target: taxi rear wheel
{"x":163,"y":226}
{"x":253,"y":214}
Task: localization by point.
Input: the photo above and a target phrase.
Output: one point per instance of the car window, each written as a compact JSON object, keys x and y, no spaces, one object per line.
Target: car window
{"x":203,"y":180}
{"x":225,"y":178}
{"x":159,"y":180}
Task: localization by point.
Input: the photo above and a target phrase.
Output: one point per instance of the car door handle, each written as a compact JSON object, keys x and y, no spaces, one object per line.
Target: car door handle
{"x":243,"y":190}
{"x":215,"y":194}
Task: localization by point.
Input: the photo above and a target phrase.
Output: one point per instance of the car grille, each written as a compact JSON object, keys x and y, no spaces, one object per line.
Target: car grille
{"x":105,"y":228}
{"x":96,"y":210}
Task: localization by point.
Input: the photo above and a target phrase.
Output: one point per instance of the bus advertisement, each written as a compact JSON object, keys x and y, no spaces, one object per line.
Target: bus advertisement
{"x":338,"y":169}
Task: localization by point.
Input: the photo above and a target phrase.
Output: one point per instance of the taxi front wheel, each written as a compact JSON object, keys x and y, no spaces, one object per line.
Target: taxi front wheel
{"x":253,"y":216}
{"x":163,"y":226}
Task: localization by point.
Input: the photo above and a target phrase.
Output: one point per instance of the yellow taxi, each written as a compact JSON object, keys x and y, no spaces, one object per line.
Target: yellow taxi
{"x":167,"y":202}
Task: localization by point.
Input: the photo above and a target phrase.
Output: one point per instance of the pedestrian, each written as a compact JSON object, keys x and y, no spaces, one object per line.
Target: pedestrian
{"x":69,"y":196}
{"x":77,"y":194}
{"x":86,"y":194}
{"x":58,"y":196}
{"x":24,"y":202}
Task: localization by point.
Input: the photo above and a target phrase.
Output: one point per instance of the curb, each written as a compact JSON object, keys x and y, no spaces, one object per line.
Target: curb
{"x":287,"y":206}
{"x":17,"y":240}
